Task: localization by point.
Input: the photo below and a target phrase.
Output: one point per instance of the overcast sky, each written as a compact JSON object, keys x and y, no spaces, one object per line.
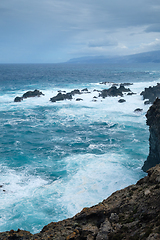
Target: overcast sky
{"x":49,"y":31}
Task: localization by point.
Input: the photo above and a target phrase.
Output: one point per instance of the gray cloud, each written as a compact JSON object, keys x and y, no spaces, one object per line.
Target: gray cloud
{"x":56,"y":30}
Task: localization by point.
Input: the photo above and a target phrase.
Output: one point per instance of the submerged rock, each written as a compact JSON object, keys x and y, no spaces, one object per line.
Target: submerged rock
{"x":138,"y":110}
{"x":153,"y":121}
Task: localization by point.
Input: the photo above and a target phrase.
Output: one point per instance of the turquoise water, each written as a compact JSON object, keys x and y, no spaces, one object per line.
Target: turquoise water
{"x":56,"y":158}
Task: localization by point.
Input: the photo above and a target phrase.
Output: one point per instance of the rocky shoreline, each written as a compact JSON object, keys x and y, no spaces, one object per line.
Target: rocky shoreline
{"x":131,"y":213}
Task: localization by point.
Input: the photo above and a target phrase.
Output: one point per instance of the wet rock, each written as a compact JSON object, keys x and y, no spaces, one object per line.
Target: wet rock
{"x":84,"y":90}
{"x":18,"y":99}
{"x":147,"y":102}
{"x":75,"y":91}
{"x":111,"y":92}
{"x":137,"y":110}
{"x":79,"y":99}
{"x":123,"y":89}
{"x":153,"y":121}
{"x":130,"y":93}
{"x":151,"y":93}
{"x":61,"y":96}
{"x":121,"y":100}
{"x":35,"y":93}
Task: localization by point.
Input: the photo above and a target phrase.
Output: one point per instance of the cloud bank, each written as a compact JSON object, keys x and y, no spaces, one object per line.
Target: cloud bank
{"x":57,"y":30}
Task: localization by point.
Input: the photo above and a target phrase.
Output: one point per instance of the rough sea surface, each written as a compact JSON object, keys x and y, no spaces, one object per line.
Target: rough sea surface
{"x":56,"y":158}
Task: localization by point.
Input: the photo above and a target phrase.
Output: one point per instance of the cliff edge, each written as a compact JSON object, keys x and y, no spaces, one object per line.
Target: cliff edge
{"x":153,"y":121}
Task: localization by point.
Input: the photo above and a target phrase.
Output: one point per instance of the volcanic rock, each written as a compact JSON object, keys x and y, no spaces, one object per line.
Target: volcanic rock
{"x":153,"y":121}
{"x":138,"y":110}
{"x":61,"y":96}
{"x":111,"y":92}
{"x":121,"y":100}
{"x":151,"y":93}
{"x":35,"y":93}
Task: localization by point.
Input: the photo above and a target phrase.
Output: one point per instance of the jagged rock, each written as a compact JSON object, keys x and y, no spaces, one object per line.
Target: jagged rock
{"x":61,"y":96}
{"x":153,"y":121}
{"x":146,"y":102}
{"x":123,"y":89}
{"x":138,"y":110}
{"x":121,"y":100}
{"x":18,"y":99}
{"x":79,"y":99}
{"x":151,"y":93}
{"x":111,"y":92}
{"x":130,"y":213}
{"x":35,"y":93}
{"x":75,"y":91}
{"x":84,"y":90}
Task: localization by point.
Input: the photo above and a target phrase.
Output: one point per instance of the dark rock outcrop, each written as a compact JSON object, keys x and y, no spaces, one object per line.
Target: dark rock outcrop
{"x":114,"y":91}
{"x":35,"y":93}
{"x":111,"y":92}
{"x":131,"y":213}
{"x":61,"y":96}
{"x":64,"y":96}
{"x":151,"y":93}
{"x":153,"y":121}
{"x":121,"y":100}
{"x":137,"y":110}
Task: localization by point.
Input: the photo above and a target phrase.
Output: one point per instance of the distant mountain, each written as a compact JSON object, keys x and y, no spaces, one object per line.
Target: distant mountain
{"x":146,"y":57}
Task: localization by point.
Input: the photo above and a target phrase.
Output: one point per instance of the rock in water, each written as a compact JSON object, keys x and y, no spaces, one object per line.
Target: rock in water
{"x":35,"y":93}
{"x":151,"y":93}
{"x":153,"y":121}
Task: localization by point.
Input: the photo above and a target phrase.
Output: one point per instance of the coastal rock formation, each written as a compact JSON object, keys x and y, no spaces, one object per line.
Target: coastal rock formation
{"x":153,"y":121}
{"x":64,"y":96}
{"x":131,"y":213}
{"x":35,"y":93}
{"x":114,"y":91}
{"x":121,"y":100}
{"x":61,"y":96}
{"x":151,"y":93}
{"x":111,"y":92}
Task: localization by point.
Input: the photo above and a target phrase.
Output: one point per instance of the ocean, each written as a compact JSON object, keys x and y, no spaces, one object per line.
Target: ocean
{"x":58,"y":157}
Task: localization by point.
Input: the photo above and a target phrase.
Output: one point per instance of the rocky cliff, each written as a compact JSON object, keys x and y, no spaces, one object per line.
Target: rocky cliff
{"x":132,"y":213}
{"x":153,"y":121}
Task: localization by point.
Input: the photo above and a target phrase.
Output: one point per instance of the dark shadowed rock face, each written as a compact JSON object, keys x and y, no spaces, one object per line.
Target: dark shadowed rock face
{"x":153,"y":121}
{"x":129,"y":214}
{"x":151,"y":93}
{"x":35,"y":93}
{"x":111,"y":92}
